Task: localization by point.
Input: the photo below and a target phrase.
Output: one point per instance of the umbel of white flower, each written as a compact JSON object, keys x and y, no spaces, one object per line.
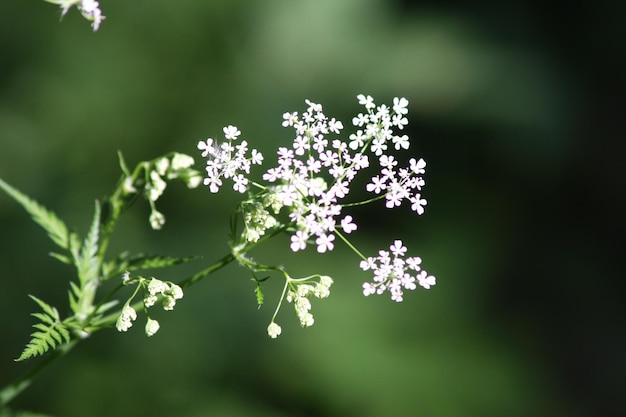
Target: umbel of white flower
{"x":310,"y":185}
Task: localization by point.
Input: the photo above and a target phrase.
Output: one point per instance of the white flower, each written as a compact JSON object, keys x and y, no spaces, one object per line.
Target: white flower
{"x":156,"y":286}
{"x":157,"y":220}
{"x":273,"y":330}
{"x":231,"y":132}
{"x":152,"y":326}
{"x":390,"y":273}
{"x":149,"y":300}
{"x":398,"y":249}
{"x":399,"y":105}
{"x":426,"y":280}
{"x":368,"y":101}
{"x":175,"y":291}
{"x":368,"y":289}
{"x":306,"y":320}
{"x":401,"y":142}
{"x":347,"y":225}
{"x":417,"y":166}
{"x":298,"y":241}
{"x":417,"y":204}
{"x":125,"y":320}
{"x":155,"y":186}
{"x":325,"y":243}
{"x":161,"y":166}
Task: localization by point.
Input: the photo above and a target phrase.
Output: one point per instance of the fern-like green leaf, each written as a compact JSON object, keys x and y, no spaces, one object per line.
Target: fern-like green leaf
{"x":61,"y":258}
{"x":74,"y":295}
{"x":87,"y":262}
{"x":48,"y":220}
{"x":258,"y":291}
{"x":125,"y":262}
{"x":50,"y":331}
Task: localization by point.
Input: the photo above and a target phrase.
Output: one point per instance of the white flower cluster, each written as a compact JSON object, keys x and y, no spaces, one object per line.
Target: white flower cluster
{"x":391,"y":273}
{"x":228,"y":161}
{"x":311,"y":182}
{"x":168,"y":290}
{"x":153,"y":289}
{"x":312,"y":177}
{"x":377,"y":128}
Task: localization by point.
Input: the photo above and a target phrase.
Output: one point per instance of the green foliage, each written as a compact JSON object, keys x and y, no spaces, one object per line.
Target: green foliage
{"x":50,"y":331}
{"x":87,"y":260}
{"x":258,"y":290}
{"x":48,"y":220}
{"x":127,"y":262}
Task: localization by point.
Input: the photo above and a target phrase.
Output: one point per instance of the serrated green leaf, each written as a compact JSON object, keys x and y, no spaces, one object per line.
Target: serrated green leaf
{"x":87,"y":262}
{"x":74,"y":295}
{"x":41,"y":327}
{"x":65,"y":334}
{"x":125,"y":262}
{"x":51,"y":332}
{"x":56,"y":336}
{"x":43,"y":317}
{"x":54,"y":226}
{"x":258,"y":291}
{"x":62,"y":258}
{"x":48,"y":309}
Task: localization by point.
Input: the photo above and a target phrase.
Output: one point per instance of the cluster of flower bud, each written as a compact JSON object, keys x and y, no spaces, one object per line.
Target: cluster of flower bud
{"x":299,"y":294}
{"x":153,"y":288}
{"x":156,"y":174}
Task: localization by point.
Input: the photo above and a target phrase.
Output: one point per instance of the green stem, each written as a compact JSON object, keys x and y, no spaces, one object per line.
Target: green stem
{"x":350,"y":245}
{"x":207,"y":271}
{"x":15,"y":388}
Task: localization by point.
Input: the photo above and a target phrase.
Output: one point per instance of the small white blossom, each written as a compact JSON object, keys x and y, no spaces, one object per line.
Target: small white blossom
{"x":125,"y":320}
{"x":152,"y":326}
{"x":325,"y":243}
{"x":394,"y":274}
{"x":228,"y":161}
{"x":157,"y":219}
{"x":273,"y":330}
{"x":231,"y":132}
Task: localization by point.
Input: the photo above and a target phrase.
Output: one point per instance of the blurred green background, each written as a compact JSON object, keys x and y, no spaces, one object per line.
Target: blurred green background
{"x":516,"y":106}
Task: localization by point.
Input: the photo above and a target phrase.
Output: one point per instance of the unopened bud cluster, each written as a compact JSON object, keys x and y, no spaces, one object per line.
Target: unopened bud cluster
{"x":154,"y":180}
{"x":153,"y":289}
{"x":299,"y":292}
